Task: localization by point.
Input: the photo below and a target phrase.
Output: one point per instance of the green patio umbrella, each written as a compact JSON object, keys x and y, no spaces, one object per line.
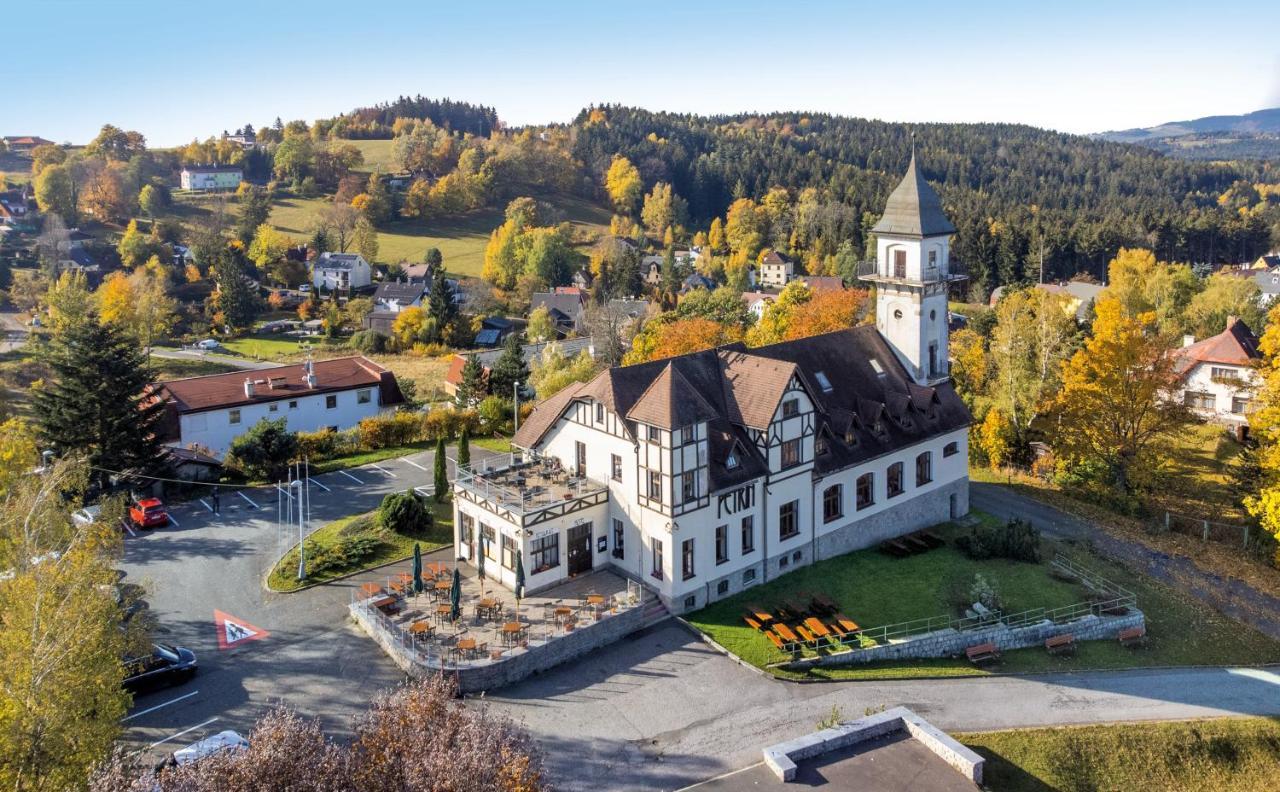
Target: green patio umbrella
{"x":519,"y":581}
{"x":455,"y":596}
{"x":480,"y":565}
{"x":417,"y":568}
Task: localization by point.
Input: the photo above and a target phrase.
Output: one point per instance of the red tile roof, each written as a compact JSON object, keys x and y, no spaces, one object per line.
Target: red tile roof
{"x":220,"y":391}
{"x":1235,"y":346}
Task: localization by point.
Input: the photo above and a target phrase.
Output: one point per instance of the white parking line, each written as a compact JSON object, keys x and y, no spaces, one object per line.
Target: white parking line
{"x":408,"y":461}
{"x":318,"y":484}
{"x":206,"y":505}
{"x":179,"y":734}
{"x":176,"y":524}
{"x":423,"y":491}
{"x":158,"y":706}
{"x":128,"y":527}
{"x":248,"y":500}
{"x":348,"y":475}
{"x":376,"y":466}
{"x":283,"y":492}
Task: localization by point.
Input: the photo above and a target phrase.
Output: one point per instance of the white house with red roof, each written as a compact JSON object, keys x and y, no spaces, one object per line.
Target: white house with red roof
{"x":1218,"y":376}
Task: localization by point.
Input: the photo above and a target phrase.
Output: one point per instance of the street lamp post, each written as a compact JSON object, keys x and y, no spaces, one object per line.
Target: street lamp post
{"x":302,"y":537}
{"x":515,"y":388}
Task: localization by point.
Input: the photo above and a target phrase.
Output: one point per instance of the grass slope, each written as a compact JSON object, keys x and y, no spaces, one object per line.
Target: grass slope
{"x":392,"y":546}
{"x":1239,"y":754}
{"x":874,"y":589}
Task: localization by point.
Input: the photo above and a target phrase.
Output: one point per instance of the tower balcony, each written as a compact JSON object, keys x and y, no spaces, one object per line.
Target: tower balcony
{"x":870,"y":271}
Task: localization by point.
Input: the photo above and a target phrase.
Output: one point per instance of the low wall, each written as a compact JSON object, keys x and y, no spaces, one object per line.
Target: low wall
{"x":950,"y":643}
{"x":912,"y":514}
{"x":485,"y":674}
{"x":782,"y":758}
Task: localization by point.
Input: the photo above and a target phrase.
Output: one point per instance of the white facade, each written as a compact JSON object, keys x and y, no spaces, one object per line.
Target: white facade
{"x":775,"y":275}
{"x":215,"y":429}
{"x":211,"y":179}
{"x":341,"y":271}
{"x":1220,"y":392}
{"x":911,"y":301}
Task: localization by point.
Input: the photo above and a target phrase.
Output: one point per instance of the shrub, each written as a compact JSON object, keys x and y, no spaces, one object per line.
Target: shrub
{"x":386,"y":431}
{"x":1017,"y":540}
{"x":368,"y":341}
{"x":985,"y":592}
{"x":264,"y":450}
{"x":316,"y":445}
{"x":495,"y":413}
{"x":447,"y":423}
{"x":404,"y":513}
{"x":346,"y":553}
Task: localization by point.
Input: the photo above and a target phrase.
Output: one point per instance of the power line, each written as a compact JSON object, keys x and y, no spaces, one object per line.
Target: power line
{"x":179,"y":481}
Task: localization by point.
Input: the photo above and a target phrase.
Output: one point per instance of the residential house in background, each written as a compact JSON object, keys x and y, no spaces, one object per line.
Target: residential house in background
{"x":341,"y":272}
{"x":389,"y":299}
{"x":1268,"y":285}
{"x":211,"y":177}
{"x":696,"y":280}
{"x":708,"y":473}
{"x":209,"y":412}
{"x":776,"y":270}
{"x":565,"y":305}
{"x":25,"y":144}
{"x":1218,"y":376}
{"x":18,"y":209}
{"x":1080,"y":295}
{"x":493,"y":331}
{"x":532,"y":353}
{"x":757,"y":302}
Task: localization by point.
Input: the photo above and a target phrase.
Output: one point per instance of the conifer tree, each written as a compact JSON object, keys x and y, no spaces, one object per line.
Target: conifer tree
{"x":235,"y":299}
{"x":97,"y":403}
{"x":464,"y":447}
{"x":508,"y":369}
{"x":472,"y":388}
{"x":441,"y":472}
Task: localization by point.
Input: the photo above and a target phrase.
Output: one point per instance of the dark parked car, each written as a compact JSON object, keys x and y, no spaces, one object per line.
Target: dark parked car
{"x":166,"y":665}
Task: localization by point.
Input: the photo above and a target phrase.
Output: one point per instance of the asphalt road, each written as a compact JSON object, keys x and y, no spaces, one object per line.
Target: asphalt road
{"x":13,"y":333}
{"x":199,"y":354}
{"x":662,"y":710}
{"x":312,"y":659}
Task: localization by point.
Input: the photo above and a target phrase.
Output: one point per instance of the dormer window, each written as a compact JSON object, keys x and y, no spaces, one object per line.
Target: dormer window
{"x":823,"y":382}
{"x":731,"y":461}
{"x":820,"y":445}
{"x":599,"y":412}
{"x":876,"y":367}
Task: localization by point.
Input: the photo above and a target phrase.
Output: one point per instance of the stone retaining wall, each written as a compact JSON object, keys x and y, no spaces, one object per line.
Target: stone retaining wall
{"x":912,"y":514}
{"x":950,"y":643}
{"x":782,"y":758}
{"x":486,"y":674}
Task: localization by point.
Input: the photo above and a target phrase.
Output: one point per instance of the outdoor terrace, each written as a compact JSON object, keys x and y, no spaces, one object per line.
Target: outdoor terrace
{"x":523,"y":488}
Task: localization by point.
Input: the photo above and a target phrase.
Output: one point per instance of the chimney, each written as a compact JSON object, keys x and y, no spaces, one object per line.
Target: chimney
{"x":248,"y":388}
{"x":309,"y":374}
{"x":1188,"y":340}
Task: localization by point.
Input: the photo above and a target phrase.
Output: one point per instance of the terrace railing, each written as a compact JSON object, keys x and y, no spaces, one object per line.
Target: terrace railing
{"x":486,"y":485}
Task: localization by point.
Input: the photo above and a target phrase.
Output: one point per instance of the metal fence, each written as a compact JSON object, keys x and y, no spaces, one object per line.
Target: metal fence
{"x":1249,"y":538}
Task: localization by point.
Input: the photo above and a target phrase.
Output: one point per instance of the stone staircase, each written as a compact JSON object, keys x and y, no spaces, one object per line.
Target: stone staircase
{"x":653,"y":613}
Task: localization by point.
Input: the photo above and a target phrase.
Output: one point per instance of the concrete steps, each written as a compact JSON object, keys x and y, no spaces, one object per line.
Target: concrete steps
{"x":654,"y":612}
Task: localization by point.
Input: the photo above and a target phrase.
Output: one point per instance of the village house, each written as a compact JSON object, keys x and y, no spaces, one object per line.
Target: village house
{"x":1080,"y":295}
{"x":208,"y":413}
{"x":1217,"y":377}
{"x":211,"y":177}
{"x":341,"y":272}
{"x":757,"y":302}
{"x":565,"y":305}
{"x":25,"y":144}
{"x":776,"y":270}
{"x":389,"y":299}
{"x":707,"y":473}
{"x":532,"y":354}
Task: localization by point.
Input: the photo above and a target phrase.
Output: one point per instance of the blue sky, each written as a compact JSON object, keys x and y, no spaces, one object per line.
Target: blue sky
{"x":181,"y":69}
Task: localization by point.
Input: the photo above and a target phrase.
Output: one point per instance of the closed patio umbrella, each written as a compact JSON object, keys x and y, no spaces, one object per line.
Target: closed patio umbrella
{"x":519,"y":581}
{"x":480,"y":565}
{"x":417,"y":568}
{"x":455,"y":596}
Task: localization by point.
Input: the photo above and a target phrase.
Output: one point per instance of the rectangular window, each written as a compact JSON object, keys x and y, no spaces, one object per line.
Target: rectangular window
{"x":866,"y":490}
{"x":790,"y":408}
{"x":364,"y":396}
{"x":722,"y":544}
{"x":924,"y":468}
{"x":274,"y":408}
{"x":331,"y":401}
{"x":546,"y":553}
{"x":233,"y":416}
{"x":748,"y":576}
{"x":895,"y":479}
{"x":1239,"y":406}
{"x":688,"y":487}
{"x":467,"y":527}
{"x":686,"y":435}
{"x":657,"y":559}
{"x":748,"y":534}
{"x":508,"y":552}
{"x":686,"y":559}
{"x":1199,"y":401}
{"x":933,"y":259}
{"x":655,"y":434}
{"x":722,"y":587}
{"x":832,"y":503}
{"x":615,"y":465}
{"x":655,"y":485}
{"x":580,"y":462}
{"x":490,"y":539}
{"x":1220,"y":373}
{"x":899,"y":263}
{"x":293,"y":405}
{"x":790,"y":453}
{"x":599,"y":412}
{"x":618,"y":551}
{"x":950,"y":449}
{"x":789,"y":520}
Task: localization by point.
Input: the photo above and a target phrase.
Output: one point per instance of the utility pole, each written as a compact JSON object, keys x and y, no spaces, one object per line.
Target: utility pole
{"x":302,"y":536}
{"x":515,"y":388}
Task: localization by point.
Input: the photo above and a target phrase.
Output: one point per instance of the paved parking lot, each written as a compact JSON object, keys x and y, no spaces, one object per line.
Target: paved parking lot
{"x":311,"y":659}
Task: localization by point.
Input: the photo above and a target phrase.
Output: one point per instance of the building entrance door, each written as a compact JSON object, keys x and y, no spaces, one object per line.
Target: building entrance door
{"x":579,"y":549}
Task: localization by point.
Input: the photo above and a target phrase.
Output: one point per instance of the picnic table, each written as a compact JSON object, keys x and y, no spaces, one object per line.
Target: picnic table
{"x":785,"y":632}
{"x":816,"y":627}
{"x":846,"y":624}
{"x":371,"y":589}
{"x":759,"y":614}
{"x":826,"y":602}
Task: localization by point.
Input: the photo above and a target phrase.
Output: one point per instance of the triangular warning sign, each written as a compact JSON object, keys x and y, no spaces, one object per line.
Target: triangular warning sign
{"x":233,"y":631}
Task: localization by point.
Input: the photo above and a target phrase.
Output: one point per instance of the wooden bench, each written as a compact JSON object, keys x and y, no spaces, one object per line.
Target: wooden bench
{"x":1133,"y":636}
{"x":805,"y":635}
{"x":826,"y":603}
{"x":932,"y":538}
{"x":895,"y":548}
{"x":846,"y":624}
{"x":983,"y":653}
{"x":752,"y":623}
{"x":1061,"y":644}
{"x":773,"y":637}
{"x":916,"y":543}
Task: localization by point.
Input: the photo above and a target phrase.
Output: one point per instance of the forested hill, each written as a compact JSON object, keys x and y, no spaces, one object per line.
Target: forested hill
{"x":376,"y":122}
{"x":1006,"y":187}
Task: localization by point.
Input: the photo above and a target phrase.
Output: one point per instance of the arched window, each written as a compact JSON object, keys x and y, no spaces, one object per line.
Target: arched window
{"x":924,"y":468}
{"x":866,"y":490}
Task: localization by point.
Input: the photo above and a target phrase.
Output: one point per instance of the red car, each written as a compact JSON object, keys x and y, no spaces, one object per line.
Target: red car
{"x":148,"y":513}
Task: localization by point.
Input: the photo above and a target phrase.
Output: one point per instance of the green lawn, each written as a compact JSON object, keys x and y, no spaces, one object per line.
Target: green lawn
{"x":875,"y":589}
{"x":365,"y":457}
{"x":1239,"y":754}
{"x":267,"y":346}
{"x":391,"y":546}
{"x":379,"y":155}
{"x":167,"y":368}
{"x":461,"y":239}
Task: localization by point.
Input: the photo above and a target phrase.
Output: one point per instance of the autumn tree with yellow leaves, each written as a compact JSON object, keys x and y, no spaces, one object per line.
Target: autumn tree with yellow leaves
{"x":1264,"y":423}
{"x":623,"y":183}
{"x":1116,"y":400}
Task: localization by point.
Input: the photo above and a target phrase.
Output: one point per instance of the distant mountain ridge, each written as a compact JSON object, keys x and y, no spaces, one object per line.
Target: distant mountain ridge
{"x":1253,"y":135}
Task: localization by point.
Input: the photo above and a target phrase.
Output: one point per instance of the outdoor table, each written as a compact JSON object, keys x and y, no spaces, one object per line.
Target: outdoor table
{"x":382,"y":602}
{"x":816,"y":627}
{"x":442,"y":612}
{"x":421,"y":628}
{"x":595,"y":599}
{"x":563,"y":612}
{"x":785,"y":631}
{"x":370,"y":589}
{"x":467,"y":645}
{"x":444,"y":585}
{"x":511,"y":631}
{"x":487,"y":608}
{"x":405,"y":577}
{"x":760,"y":613}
